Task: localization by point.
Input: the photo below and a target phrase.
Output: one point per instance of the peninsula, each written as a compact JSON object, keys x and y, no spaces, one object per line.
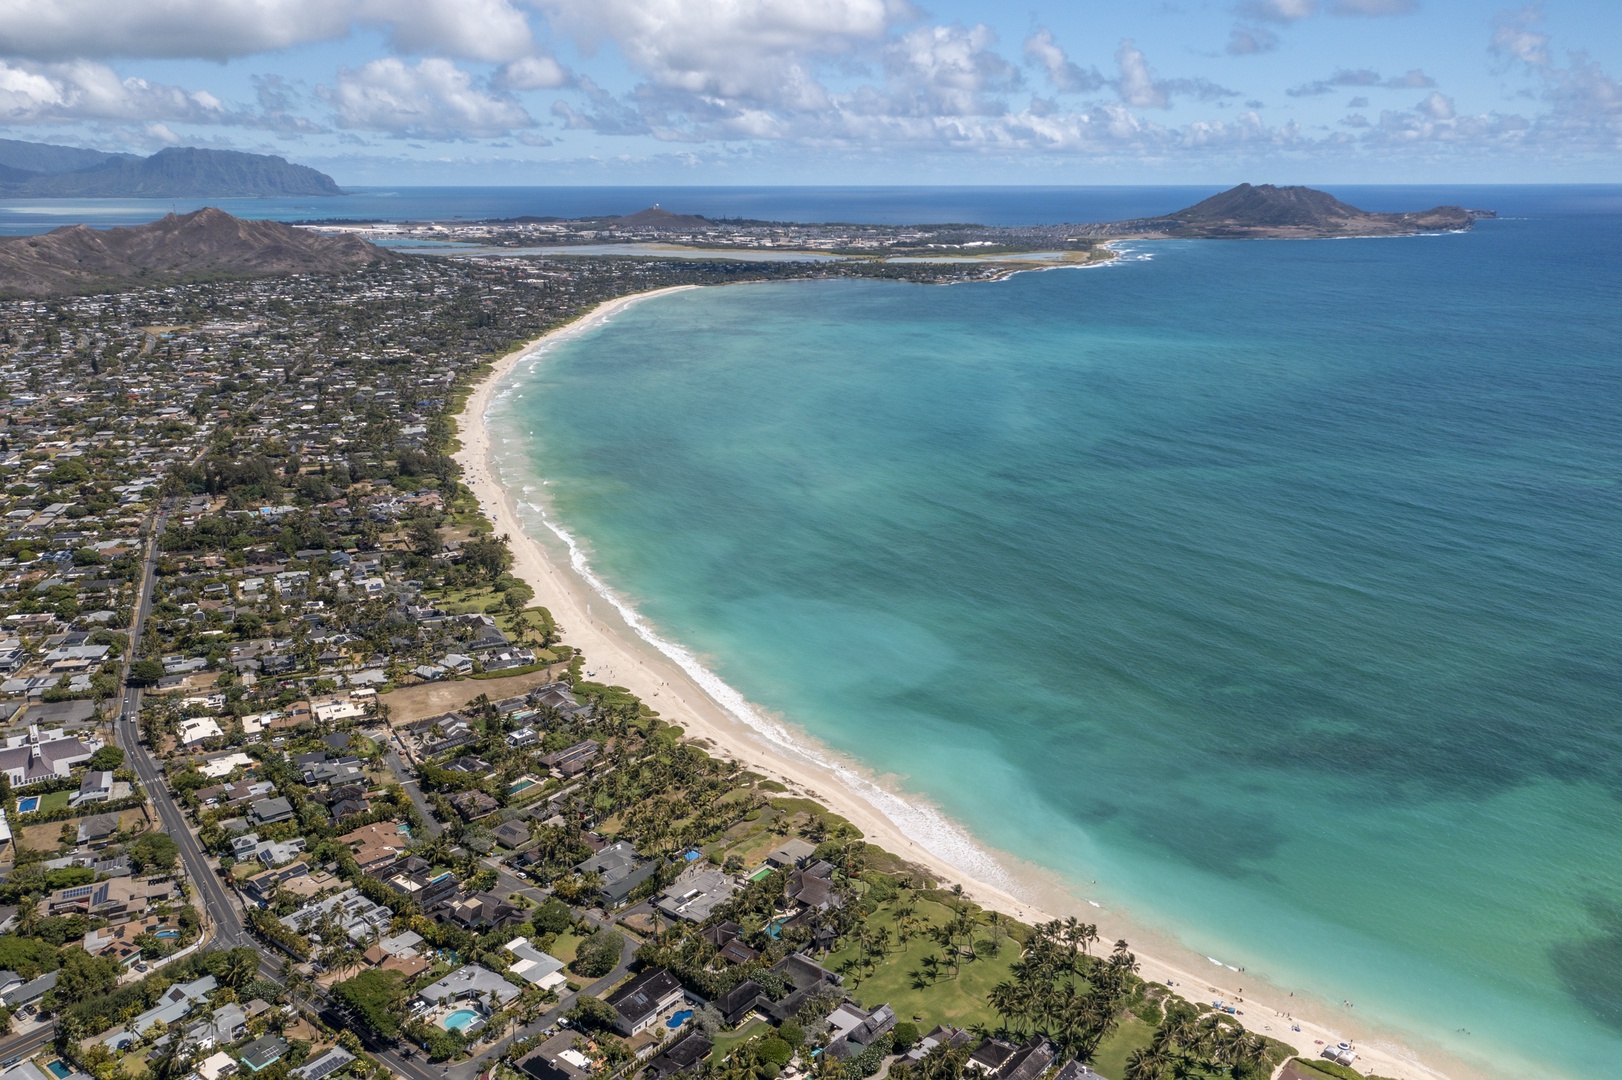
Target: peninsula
{"x":1243,"y":212}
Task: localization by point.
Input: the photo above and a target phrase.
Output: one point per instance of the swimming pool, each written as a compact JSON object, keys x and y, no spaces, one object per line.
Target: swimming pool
{"x":167,"y":934}
{"x":519,"y":785}
{"x":59,"y":1069}
{"x":679,"y":1019}
{"x":28,"y":804}
{"x":459,"y":1020}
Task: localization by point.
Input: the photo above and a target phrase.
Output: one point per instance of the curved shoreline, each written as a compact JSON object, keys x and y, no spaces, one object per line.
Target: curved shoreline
{"x":625,"y":650}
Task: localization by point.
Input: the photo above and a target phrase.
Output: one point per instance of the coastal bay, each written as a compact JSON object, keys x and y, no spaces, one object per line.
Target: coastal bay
{"x":1136,"y":887}
{"x":621,"y":648}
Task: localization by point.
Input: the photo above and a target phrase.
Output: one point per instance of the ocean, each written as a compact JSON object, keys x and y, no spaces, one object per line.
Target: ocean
{"x":1267,"y":592}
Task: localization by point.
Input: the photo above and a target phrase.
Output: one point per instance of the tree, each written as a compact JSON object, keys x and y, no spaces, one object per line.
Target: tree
{"x":552,"y":917}
{"x":592,"y":1013}
{"x":146,"y":672}
{"x":905,"y":1036}
{"x":83,"y":976}
{"x":107,"y":759}
{"x":154,"y":851}
{"x":372,"y":998}
{"x":599,"y":954}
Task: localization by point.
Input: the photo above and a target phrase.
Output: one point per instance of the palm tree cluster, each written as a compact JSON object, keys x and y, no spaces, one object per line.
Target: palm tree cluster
{"x":1186,"y":1044}
{"x":1061,"y":991}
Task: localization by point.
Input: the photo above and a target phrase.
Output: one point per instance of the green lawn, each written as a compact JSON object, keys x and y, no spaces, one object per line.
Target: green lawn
{"x":725,"y":1041}
{"x":565,"y":946}
{"x":54,"y":801}
{"x":960,"y":1001}
{"x":1110,"y":1060}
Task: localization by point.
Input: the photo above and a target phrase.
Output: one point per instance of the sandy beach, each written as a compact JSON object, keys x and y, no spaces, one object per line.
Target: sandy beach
{"x":684,"y":694}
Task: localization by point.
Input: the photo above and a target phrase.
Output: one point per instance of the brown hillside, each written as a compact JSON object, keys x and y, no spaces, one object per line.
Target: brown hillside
{"x":204,"y":243}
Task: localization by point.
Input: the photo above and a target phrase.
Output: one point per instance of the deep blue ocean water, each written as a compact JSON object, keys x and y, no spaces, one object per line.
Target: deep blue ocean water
{"x":1273,"y":586}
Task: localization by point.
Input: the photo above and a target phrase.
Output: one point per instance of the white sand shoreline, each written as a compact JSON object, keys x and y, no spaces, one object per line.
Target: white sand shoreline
{"x":623,"y":650}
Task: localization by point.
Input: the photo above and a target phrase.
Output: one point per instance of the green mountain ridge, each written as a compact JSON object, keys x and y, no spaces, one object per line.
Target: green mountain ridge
{"x":42,"y":170}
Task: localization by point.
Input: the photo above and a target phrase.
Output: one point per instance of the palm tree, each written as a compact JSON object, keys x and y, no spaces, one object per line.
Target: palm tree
{"x":1148,"y":1063}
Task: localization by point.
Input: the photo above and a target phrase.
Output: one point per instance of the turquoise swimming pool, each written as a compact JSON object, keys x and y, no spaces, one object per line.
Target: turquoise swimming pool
{"x":28,"y":804}
{"x":59,"y":1069}
{"x":459,"y":1020}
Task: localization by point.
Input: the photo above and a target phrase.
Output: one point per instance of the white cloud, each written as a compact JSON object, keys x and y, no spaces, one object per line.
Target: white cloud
{"x":1516,"y":37}
{"x":1066,"y":77}
{"x":432,"y":99}
{"x":1437,"y":106}
{"x":949,"y":71}
{"x":222,"y":29}
{"x":532,"y":73}
{"x":84,"y":90}
{"x":1137,"y":85}
{"x":1279,"y":10}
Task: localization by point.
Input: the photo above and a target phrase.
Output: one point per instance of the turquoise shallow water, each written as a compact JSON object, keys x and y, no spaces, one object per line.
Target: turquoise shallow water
{"x":1275,"y":586}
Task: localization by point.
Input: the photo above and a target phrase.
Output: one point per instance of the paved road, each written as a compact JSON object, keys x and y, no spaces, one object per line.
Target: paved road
{"x":409,"y":782}
{"x":21,"y":1046}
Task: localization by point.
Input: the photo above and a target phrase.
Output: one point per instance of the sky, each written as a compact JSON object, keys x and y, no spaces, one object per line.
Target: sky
{"x":835,"y":91}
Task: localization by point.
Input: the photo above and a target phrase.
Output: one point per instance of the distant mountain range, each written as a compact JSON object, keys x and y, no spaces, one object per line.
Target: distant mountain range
{"x":207,"y":243}
{"x":41,"y":170}
{"x":1262,"y":211}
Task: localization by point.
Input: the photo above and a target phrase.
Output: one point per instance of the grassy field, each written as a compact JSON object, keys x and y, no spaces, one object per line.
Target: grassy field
{"x":565,"y":947}
{"x":960,"y":1001}
{"x":54,"y":801}
{"x":1112,"y":1053}
{"x":725,"y":1041}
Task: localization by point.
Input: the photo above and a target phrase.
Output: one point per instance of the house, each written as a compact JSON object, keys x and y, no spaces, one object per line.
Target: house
{"x":696,"y":893}
{"x":556,"y":1059}
{"x":357,"y":916}
{"x":217,"y":1066}
{"x":197,"y":729}
{"x":1000,"y":1060}
{"x":375,"y":846}
{"x":791,"y":854}
{"x":263,"y":1052}
{"x":534,"y":966}
{"x":940,"y":1036}
{"x":98,"y":830}
{"x":512,"y":834}
{"x":109,"y":899}
{"x":173,"y":1005}
{"x":457,"y":664}
{"x":473,"y":805}
{"x":16,"y":996}
{"x":416,"y":881}
{"x":483,"y":911}
{"x":812,"y":891}
{"x":468,"y":981}
{"x":323,"y":1065}
{"x":270,"y":811}
{"x":852,"y":1028}
{"x":621,"y":871}
{"x":93,"y":787}
{"x":573,"y":760}
{"x":686,"y":1055}
{"x":805,"y":978}
{"x":640,"y":1002}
